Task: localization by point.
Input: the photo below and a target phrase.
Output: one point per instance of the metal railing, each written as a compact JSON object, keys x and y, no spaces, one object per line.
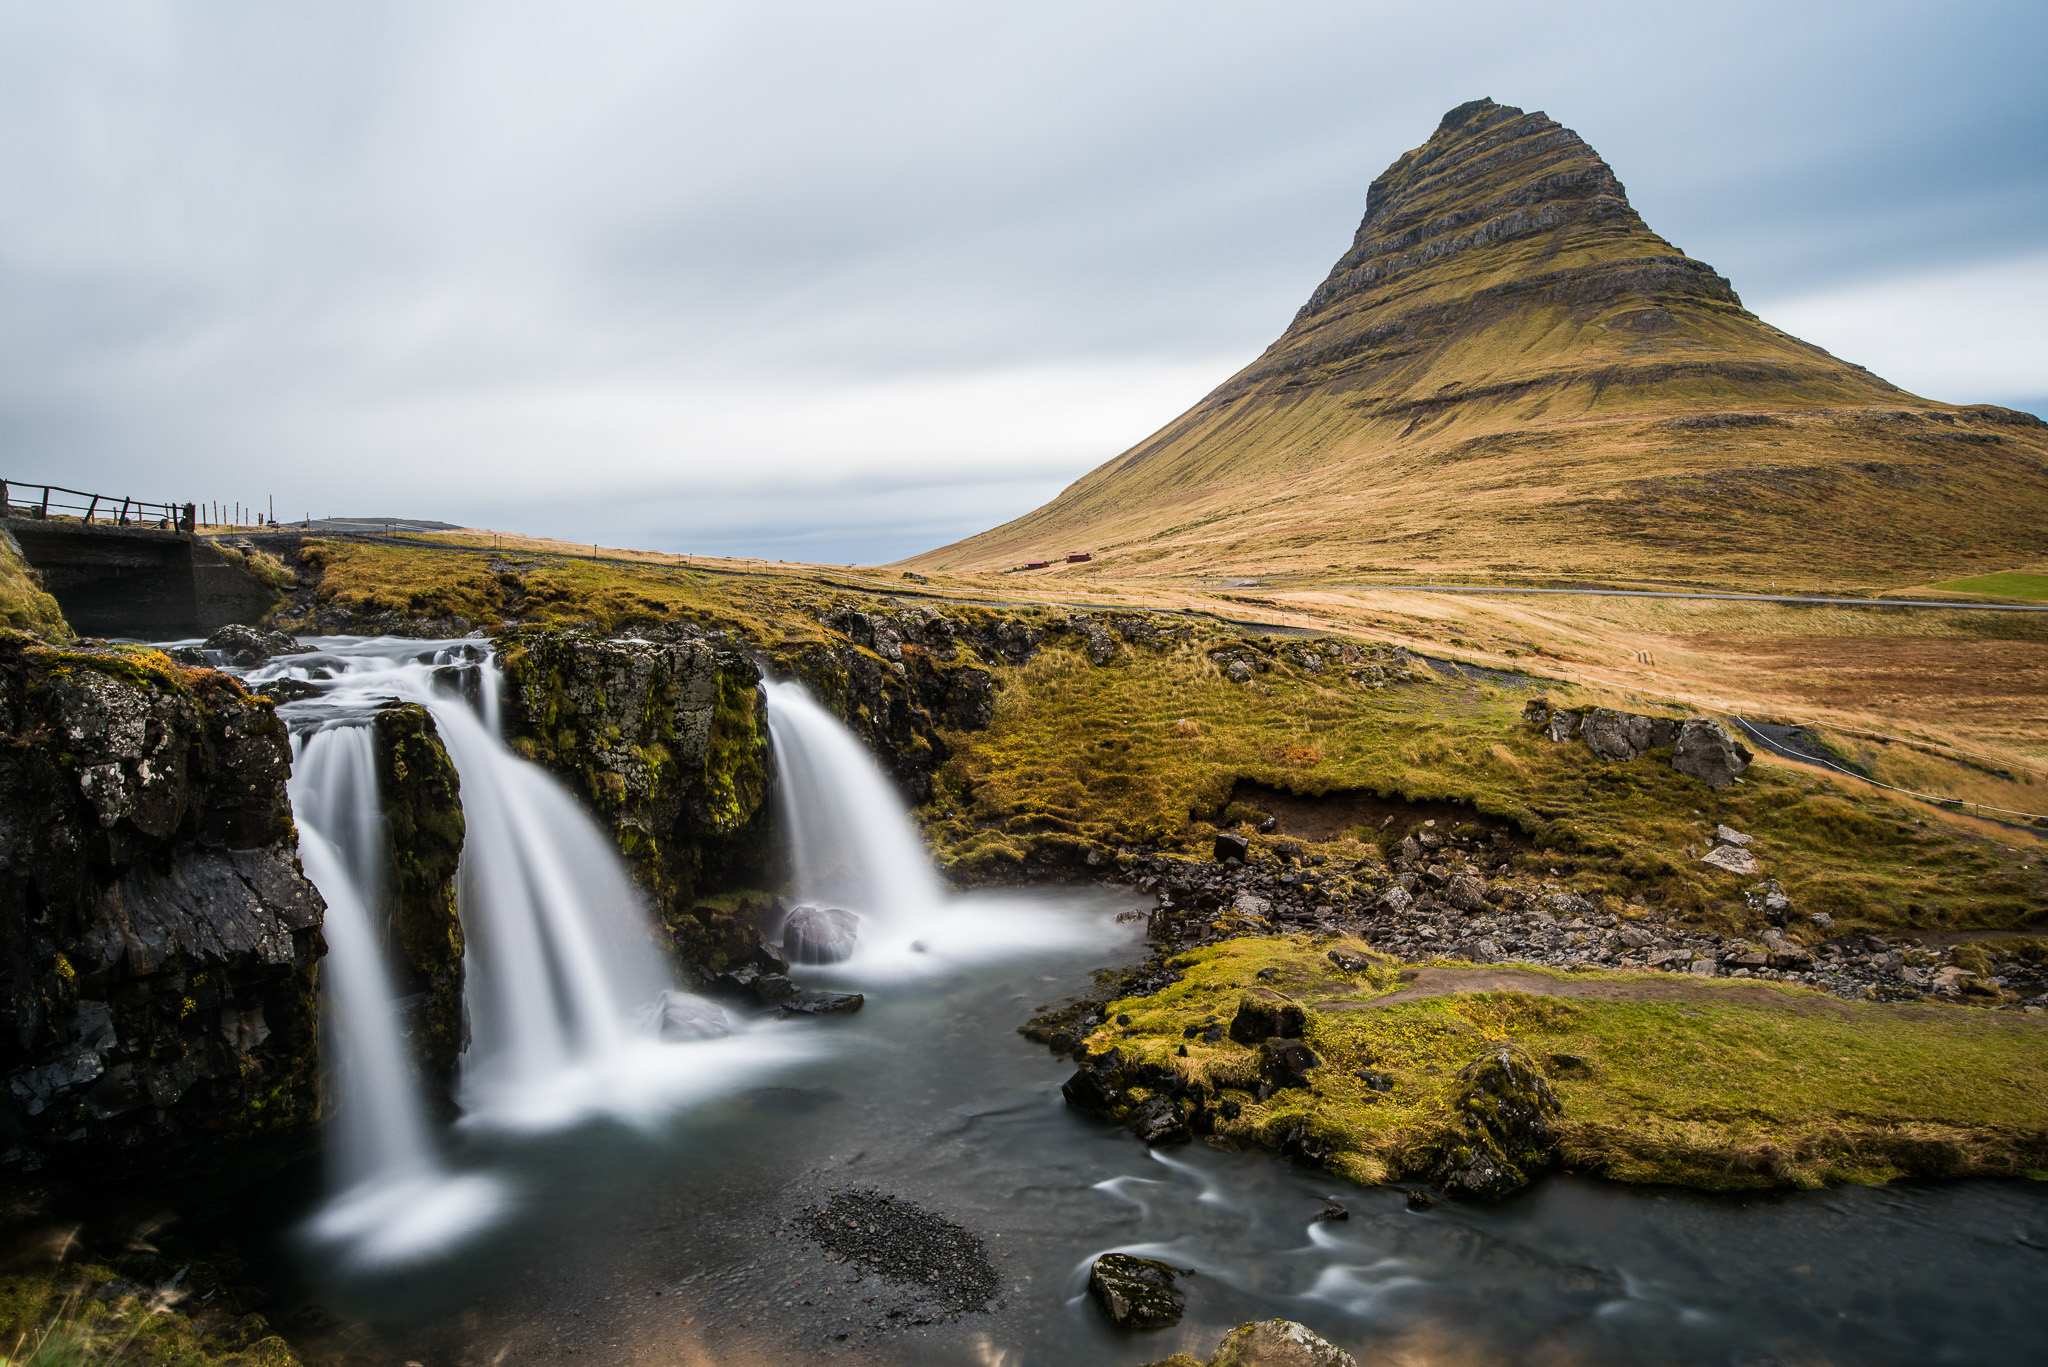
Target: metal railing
{"x":49,"y":502}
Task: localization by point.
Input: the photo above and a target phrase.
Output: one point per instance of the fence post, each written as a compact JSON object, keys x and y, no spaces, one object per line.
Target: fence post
{"x":91,"y":508}
{"x":191,"y":520}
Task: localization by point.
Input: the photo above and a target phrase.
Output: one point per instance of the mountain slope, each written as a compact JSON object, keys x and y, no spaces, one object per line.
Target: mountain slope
{"x":1510,"y":372}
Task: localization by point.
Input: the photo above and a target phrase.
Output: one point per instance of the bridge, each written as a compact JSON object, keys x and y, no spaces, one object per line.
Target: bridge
{"x":122,"y":566}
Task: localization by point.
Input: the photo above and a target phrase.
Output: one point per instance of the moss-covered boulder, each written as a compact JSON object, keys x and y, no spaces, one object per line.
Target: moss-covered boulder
{"x":422,"y":798}
{"x":1503,"y":1136}
{"x":666,"y":742}
{"x":1137,"y":1293}
{"x":157,"y":939}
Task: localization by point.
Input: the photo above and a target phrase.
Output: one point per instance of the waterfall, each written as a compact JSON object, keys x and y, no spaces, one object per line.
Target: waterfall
{"x":850,"y":837}
{"x":394,"y":1198}
{"x":573,"y":1006}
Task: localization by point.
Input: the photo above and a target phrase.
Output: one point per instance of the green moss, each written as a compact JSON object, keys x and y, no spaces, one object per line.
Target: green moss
{"x":422,"y":800}
{"x":23,"y":604}
{"x":1732,"y":1085}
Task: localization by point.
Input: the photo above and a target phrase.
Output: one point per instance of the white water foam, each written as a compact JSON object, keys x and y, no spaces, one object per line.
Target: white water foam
{"x":855,"y":847}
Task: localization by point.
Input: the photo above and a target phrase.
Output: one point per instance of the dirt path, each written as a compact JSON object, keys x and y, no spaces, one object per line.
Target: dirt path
{"x":1420,"y":983}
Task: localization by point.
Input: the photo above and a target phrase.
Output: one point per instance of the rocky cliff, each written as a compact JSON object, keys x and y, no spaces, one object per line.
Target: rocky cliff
{"x":423,"y":942}
{"x":157,"y":939}
{"x":667,"y":742}
{"x":1508,"y":370}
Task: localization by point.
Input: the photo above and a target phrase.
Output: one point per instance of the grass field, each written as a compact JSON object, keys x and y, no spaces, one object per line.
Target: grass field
{"x":2012,"y":584}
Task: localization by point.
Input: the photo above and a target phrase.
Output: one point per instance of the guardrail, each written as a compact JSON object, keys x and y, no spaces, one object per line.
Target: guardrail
{"x":52,"y":502}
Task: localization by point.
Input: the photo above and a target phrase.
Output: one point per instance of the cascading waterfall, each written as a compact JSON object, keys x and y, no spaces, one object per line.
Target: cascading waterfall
{"x":572,"y":1005}
{"x":855,"y":847}
{"x":395,"y":1199}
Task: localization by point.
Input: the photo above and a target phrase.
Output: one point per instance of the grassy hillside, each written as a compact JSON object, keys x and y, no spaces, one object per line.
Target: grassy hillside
{"x":1510,"y":374}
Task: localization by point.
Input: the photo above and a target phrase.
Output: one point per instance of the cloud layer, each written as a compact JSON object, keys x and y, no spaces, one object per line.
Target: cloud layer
{"x":845,"y":282}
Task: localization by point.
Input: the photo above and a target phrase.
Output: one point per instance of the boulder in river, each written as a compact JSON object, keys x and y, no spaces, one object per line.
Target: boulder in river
{"x":1705,"y":751}
{"x":677,"y":1016}
{"x":247,"y":646}
{"x":820,"y":935}
{"x":1278,"y":1343}
{"x":1159,"y":1120}
{"x":1137,"y":1293}
{"x":809,"y":1001}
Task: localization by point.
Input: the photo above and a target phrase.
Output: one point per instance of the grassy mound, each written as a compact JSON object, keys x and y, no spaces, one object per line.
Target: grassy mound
{"x":1704,"y":1083}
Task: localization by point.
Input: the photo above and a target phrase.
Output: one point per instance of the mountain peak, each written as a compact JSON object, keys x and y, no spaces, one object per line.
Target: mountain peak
{"x":1503,"y":320}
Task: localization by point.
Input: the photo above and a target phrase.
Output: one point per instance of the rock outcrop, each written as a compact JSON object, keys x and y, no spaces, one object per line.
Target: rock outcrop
{"x":1700,"y":747}
{"x":666,"y":742}
{"x":157,"y":939}
{"x":422,"y":797}
{"x":1137,"y":1293}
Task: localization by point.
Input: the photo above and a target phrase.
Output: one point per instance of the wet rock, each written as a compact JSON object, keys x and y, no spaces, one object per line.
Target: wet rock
{"x":678,"y":1016}
{"x":247,"y":646}
{"x":1502,"y":1135}
{"x":667,"y":743}
{"x":1231,"y":845}
{"x":810,"y":1001}
{"x":1278,"y":1343}
{"x":1349,"y":961}
{"x":1332,"y":1210}
{"x":1137,"y":1293}
{"x":820,"y":935}
{"x":1705,"y":751}
{"x":158,"y":942}
{"x":1263,"y":1018}
{"x":1094,"y":1086}
{"x":1421,"y":1200}
{"x":283,"y":690}
{"x":1159,"y":1120}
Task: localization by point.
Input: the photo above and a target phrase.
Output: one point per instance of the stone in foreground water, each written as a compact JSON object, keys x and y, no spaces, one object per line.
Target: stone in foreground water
{"x":1136,"y":1293}
{"x":820,"y":935}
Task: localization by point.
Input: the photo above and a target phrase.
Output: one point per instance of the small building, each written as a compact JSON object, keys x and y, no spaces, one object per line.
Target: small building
{"x":1036,"y":564}
{"x":1076,"y":557}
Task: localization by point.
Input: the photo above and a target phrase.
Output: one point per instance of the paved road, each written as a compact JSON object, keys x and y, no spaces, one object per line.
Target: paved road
{"x":1737,"y":597}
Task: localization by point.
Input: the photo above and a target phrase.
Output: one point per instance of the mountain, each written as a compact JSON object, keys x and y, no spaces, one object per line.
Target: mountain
{"x":1510,"y":373}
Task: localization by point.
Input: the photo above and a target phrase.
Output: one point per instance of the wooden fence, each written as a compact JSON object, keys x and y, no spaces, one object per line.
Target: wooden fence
{"x":51,"y":502}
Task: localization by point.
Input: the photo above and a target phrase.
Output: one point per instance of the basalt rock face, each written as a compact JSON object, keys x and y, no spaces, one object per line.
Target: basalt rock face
{"x":422,"y":797}
{"x":1506,"y":338}
{"x":902,"y":678}
{"x":667,"y":742}
{"x":157,"y":939}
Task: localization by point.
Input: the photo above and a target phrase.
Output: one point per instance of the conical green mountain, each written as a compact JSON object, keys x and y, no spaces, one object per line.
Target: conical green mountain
{"x":1509,"y":372}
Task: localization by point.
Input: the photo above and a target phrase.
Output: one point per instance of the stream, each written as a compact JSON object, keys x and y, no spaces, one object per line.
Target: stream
{"x":672,"y":1214}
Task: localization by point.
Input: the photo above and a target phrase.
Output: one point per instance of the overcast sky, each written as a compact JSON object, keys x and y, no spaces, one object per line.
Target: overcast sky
{"x":844,"y":282}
